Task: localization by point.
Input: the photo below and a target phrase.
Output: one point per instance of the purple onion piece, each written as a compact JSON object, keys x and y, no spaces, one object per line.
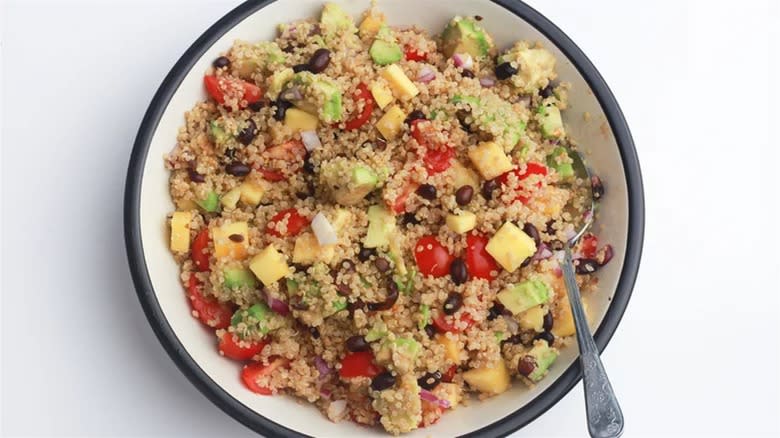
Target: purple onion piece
{"x":322,"y":366}
{"x":324,"y":393}
{"x":431,"y":397}
{"x":426,"y":74}
{"x":278,"y":305}
{"x":487,"y":81}
{"x":543,"y":252}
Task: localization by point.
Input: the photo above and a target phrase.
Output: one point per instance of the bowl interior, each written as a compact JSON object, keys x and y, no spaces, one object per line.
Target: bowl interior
{"x":595,"y":136}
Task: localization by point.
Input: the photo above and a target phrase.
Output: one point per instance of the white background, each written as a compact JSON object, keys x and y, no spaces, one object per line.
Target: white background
{"x":697,"y":352}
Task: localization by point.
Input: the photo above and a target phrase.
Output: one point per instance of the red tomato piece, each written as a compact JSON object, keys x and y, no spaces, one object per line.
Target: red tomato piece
{"x":295,"y":223}
{"x":413,"y":54}
{"x":424,"y":133}
{"x":212,"y":86}
{"x":589,"y":246}
{"x":438,"y":160}
{"x":199,"y":255}
{"x":252,"y":93}
{"x":210,"y":311}
{"x":292,"y":150}
{"x":218,"y":87}
{"x":229,"y":347}
{"x":432,"y":257}
{"x":362,"y":93}
{"x":358,"y":364}
{"x":478,"y":261}
{"x":399,"y":204}
{"x":532,"y":168}
{"x":443,"y":324}
{"x":251,"y":372}
{"x":449,"y":374}
{"x":271,"y":175}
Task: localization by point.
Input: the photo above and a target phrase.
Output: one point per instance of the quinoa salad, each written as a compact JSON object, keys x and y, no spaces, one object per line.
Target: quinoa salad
{"x":370,"y":218}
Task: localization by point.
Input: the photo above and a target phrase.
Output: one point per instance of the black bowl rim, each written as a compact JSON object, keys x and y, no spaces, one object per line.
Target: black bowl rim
{"x":257,"y":422}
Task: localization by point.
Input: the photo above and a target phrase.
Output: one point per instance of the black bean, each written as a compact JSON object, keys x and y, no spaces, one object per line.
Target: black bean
{"x":462,"y":116}
{"x":237,"y":168}
{"x":319,"y":60}
{"x":357,"y":304}
{"x":533,"y":233}
{"x":365,"y":253}
{"x":467,"y":73}
{"x":487,"y":189}
{"x":195,"y":176}
{"x":546,"y":91}
{"x":390,"y":299}
{"x":463,"y":195}
{"x":300,"y":67}
{"x":238,"y":238}
{"x":430,"y":330}
{"x":514,"y":339}
{"x":607,"y":254}
{"x":598,"y":187}
{"x":429,"y":381}
{"x":549,"y":228}
{"x":308,"y":167}
{"x":414,"y":115}
{"x":478,"y":17}
{"x":410,"y":218}
{"x":452,"y":303}
{"x":288,"y":48}
{"x":586,"y":266}
{"x":315,"y":333}
{"x":383,"y":381}
{"x":281,"y":109}
{"x":495,"y":311}
{"x":343,"y":289}
{"x":357,"y":343}
{"x":248,"y":133}
{"x":427,"y":191}
{"x":556,"y":245}
{"x":382,"y":264}
{"x":547,"y":323}
{"x":546,"y":336}
{"x":526,"y":365}
{"x":505,"y":70}
{"x":221,"y":62}
{"x":458,"y":271}
{"x":258,"y":105}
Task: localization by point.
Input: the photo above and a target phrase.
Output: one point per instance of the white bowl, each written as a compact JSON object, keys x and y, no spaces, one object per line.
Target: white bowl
{"x":606,"y":139}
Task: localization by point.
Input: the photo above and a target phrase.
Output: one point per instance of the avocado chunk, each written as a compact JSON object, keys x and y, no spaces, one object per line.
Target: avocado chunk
{"x":335,"y":21}
{"x":497,"y":118}
{"x":523,"y":296}
{"x":560,"y":161}
{"x":381,"y":225}
{"x":347,"y":181}
{"x":279,"y":79}
{"x":464,"y":35}
{"x":314,"y":88}
{"x":255,"y":322}
{"x":549,"y":117}
{"x":218,"y":133}
{"x":385,"y":50}
{"x":235,"y":278}
{"x":247,"y":58}
{"x":535,"y":65}
{"x":542,"y":356}
{"x":210,"y":203}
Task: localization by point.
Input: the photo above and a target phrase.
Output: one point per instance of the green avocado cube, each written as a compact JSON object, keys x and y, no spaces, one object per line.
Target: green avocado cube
{"x":523,"y":296}
{"x":464,"y":35}
{"x":238,"y":277}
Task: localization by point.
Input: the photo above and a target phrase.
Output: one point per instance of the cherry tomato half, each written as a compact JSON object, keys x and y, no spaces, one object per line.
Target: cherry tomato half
{"x":398,"y":205}
{"x":229,"y":347}
{"x":209,"y":311}
{"x":413,"y":54}
{"x":478,"y":261}
{"x":251,"y":372}
{"x":295,"y":223}
{"x":438,"y":160}
{"x":362,"y":93}
{"x":199,"y":255}
{"x":358,"y":364}
{"x":432,"y":257}
{"x":443,"y":323}
{"x":589,"y":246}
{"x":530,"y":169}
{"x":449,"y":374}
{"x":219,"y":87}
{"x":270,"y":174}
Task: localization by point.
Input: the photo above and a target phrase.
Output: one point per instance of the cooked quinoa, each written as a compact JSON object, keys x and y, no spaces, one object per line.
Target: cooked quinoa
{"x":371,"y":218}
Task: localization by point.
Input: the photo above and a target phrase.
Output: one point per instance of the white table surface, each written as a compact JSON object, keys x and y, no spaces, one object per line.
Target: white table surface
{"x":696,"y":354}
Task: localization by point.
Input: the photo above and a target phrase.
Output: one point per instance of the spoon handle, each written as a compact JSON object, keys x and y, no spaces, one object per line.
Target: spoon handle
{"x":605,"y":419}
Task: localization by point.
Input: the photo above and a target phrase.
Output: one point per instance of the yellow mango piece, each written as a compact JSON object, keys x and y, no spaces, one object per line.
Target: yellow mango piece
{"x":533,"y":319}
{"x":308,"y":250}
{"x":230,"y":199}
{"x":451,"y":392}
{"x":510,"y":246}
{"x":402,"y":86}
{"x":489,"y":159}
{"x":487,"y":380}
{"x":382,"y":95}
{"x":186,"y":205}
{"x":451,"y":349}
{"x":462,"y":223}
{"x":391,"y":123}
{"x":180,"y":231}
{"x":464,"y":176}
{"x":252,"y":193}
{"x":371,"y":24}
{"x":269,"y":266}
{"x":563,"y":322}
{"x":224,"y":246}
{"x":299,"y":120}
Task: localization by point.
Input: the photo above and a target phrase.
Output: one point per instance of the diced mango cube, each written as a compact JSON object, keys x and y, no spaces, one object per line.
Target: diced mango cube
{"x":235,"y":247}
{"x":269,"y":266}
{"x":230,"y":199}
{"x":371,"y":24}
{"x":452,"y":392}
{"x":391,"y":123}
{"x":489,"y":159}
{"x":510,"y":246}
{"x":180,"y":231}
{"x":550,"y":201}
{"x":340,"y":219}
{"x":308,"y":250}
{"x":252,"y":193}
{"x":451,"y":349}
{"x":563,"y":322}
{"x":533,"y":319}
{"x":462,"y":223}
{"x":402,"y":87}
{"x":489,"y":380}
{"x":382,"y":95}
{"x":299,"y":120}
{"x":464,"y":176}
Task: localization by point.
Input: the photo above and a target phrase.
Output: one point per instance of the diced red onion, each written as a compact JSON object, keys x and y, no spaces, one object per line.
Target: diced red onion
{"x":337,"y":410}
{"x":587,"y":216}
{"x":487,"y":81}
{"x":322,"y":366}
{"x":324,"y":231}
{"x":511,"y":324}
{"x":463,"y":60}
{"x":277,"y":305}
{"x":431,"y":397}
{"x":324,"y":393}
{"x":310,"y":140}
{"x":543,"y":252}
{"x":426,"y":74}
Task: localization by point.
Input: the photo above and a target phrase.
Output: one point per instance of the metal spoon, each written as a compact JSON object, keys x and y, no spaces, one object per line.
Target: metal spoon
{"x":605,"y":419}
